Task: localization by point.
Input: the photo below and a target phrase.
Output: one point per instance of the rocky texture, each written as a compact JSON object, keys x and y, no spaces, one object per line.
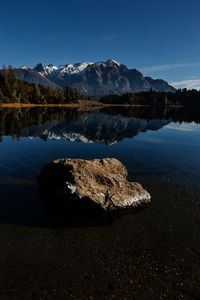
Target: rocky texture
{"x":114,"y":78}
{"x":98,"y":184}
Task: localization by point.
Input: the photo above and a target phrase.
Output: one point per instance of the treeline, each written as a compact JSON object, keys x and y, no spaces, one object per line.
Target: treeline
{"x":180,"y":97}
{"x":13,"y":90}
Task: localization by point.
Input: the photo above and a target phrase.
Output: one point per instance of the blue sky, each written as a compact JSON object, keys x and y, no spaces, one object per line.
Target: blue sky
{"x":159,"y":38}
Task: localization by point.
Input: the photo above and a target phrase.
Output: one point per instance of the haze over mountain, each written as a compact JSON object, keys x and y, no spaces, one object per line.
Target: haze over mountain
{"x":94,"y":79}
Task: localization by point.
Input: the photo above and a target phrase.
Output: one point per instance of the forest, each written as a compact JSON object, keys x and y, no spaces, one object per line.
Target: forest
{"x":13,"y":90}
{"x":182,"y":97}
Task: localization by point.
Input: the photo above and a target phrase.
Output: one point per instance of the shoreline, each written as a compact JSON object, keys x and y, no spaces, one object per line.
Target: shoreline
{"x":19,"y":105}
{"x":79,"y":105}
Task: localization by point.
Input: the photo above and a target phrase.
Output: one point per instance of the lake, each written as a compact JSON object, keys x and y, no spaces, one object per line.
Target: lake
{"x":153,"y":253}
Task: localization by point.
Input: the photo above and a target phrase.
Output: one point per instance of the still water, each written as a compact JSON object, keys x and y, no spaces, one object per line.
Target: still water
{"x":152,"y":254}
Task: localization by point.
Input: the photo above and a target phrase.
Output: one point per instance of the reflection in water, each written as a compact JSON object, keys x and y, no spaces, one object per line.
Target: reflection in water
{"x":151,"y":254}
{"x":93,"y":127}
{"x":109,"y":125}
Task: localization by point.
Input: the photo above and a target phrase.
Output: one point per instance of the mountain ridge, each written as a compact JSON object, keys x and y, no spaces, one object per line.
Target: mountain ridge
{"x":94,"y":79}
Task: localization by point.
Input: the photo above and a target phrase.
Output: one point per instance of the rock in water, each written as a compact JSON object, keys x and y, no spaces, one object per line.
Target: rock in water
{"x":98,"y":184}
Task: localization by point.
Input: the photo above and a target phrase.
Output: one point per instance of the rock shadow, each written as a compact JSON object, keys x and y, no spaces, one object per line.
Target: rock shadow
{"x":83,"y":212}
{"x":22,"y":206}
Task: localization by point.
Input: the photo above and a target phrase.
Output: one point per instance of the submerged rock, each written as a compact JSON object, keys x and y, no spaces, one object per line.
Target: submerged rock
{"x":90,"y":185}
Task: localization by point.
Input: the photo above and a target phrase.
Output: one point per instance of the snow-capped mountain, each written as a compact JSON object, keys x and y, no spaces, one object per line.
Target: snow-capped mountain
{"x":93,"y":78}
{"x":70,"y":69}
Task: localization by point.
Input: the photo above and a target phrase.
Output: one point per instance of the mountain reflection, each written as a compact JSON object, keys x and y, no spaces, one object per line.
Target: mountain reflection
{"x":108,"y":125}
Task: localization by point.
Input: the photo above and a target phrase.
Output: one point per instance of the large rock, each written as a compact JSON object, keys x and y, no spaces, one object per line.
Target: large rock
{"x":98,"y":184}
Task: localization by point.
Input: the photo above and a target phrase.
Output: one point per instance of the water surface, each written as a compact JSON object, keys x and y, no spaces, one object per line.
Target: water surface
{"x":152,"y":254}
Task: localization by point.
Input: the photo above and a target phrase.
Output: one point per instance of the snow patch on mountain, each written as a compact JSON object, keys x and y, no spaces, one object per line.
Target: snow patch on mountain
{"x":75,"y":68}
{"x":111,"y":62}
{"x":24,"y":68}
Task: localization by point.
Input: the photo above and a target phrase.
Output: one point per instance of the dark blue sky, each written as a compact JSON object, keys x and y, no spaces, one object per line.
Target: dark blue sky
{"x":160,"y":38}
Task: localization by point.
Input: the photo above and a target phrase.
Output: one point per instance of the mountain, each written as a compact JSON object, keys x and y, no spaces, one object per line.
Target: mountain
{"x":95,"y":79}
{"x":159,"y":85}
{"x":26,"y":74}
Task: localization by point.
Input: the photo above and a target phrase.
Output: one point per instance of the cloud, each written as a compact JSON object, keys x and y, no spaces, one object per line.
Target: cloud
{"x":167,"y":67}
{"x":100,"y":39}
{"x":191,"y":77}
{"x":183,"y":127}
{"x":189,"y":84}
